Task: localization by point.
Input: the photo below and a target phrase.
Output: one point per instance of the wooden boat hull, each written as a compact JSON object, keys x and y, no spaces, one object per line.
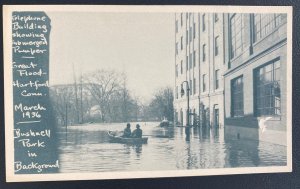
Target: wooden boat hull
{"x":118,"y":139}
{"x":165,"y":123}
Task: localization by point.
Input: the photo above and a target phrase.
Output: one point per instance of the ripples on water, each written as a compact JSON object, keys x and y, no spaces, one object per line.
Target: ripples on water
{"x":86,"y":148}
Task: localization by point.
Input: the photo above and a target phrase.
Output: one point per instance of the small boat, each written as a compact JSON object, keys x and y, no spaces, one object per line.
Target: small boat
{"x":165,"y":123}
{"x":119,"y":139}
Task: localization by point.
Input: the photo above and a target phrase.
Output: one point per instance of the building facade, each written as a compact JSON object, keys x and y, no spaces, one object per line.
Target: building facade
{"x":235,"y":66}
{"x":256,"y":77}
{"x":199,"y":67}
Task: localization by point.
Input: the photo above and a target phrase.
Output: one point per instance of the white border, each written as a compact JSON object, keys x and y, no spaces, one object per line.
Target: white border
{"x":9,"y":146}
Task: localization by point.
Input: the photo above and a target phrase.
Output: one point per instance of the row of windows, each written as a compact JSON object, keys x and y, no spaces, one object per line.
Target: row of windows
{"x":216,"y":45}
{"x":216,"y":18}
{"x":216,"y":80}
{"x":263,"y":24}
{"x":193,"y":86}
{"x":191,"y":59}
{"x":190,"y":63}
{"x":266,"y":91}
{"x":191,"y":34}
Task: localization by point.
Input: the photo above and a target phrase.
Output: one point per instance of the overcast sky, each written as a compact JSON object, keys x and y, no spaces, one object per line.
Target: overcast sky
{"x":140,"y":44}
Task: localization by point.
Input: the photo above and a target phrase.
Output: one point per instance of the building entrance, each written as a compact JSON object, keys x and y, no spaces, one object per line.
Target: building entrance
{"x":216,"y":116}
{"x":181,"y":117}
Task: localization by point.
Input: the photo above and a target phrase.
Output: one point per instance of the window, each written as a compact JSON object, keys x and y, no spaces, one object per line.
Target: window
{"x":181,"y":87}
{"x":237,"y":97}
{"x":176,"y":48}
{"x":203,"y":52}
{"x":194,"y":85}
{"x":181,"y":67}
{"x":217,"y":78}
{"x":194,"y":28}
{"x":181,"y":45}
{"x":187,"y":63}
{"x":267,"y":89}
{"x":187,"y":36}
{"x":191,"y":61}
{"x":191,"y":35}
{"x":203,"y":22}
{"x":236,"y":34}
{"x":216,"y":17}
{"x":176,"y":26}
{"x":176,"y":70}
{"x":191,"y":87}
{"x":176,"y":92}
{"x":204,"y":82}
{"x":264,"y":24}
{"x":194,"y":58}
{"x":216,"y":45}
{"x":181,"y":19}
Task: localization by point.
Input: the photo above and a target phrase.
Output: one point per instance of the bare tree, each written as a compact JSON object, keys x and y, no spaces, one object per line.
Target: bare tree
{"x":162,"y":104}
{"x":62,"y":99}
{"x":103,"y":84}
{"x":103,"y":96}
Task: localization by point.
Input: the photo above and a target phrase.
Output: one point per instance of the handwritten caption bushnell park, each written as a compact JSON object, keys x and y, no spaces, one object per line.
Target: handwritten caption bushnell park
{"x":33,"y":133}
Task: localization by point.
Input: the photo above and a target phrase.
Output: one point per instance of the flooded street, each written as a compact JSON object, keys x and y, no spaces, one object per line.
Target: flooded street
{"x":86,"y":148}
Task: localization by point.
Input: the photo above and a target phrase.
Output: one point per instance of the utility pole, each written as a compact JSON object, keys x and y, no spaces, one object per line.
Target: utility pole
{"x":66,"y":120}
{"x":81,"y":105}
{"x":76,"y":97}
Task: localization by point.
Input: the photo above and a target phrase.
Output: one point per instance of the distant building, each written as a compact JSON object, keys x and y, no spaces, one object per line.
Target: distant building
{"x":236,"y":68}
{"x":199,"y":60}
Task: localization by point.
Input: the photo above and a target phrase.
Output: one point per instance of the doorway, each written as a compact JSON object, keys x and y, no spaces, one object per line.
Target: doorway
{"x":181,"y":117}
{"x":216,"y":116}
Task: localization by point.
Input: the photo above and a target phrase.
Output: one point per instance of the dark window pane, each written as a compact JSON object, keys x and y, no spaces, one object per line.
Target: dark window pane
{"x":267,"y":88}
{"x":237,"y":97}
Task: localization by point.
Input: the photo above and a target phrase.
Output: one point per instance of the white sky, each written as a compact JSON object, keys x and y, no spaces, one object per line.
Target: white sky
{"x":140,"y":44}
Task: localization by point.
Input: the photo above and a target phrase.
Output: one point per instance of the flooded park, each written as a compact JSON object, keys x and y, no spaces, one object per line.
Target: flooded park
{"x":87,"y":148}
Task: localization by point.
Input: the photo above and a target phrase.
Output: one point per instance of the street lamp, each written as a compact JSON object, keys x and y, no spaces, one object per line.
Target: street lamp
{"x":187,"y":128}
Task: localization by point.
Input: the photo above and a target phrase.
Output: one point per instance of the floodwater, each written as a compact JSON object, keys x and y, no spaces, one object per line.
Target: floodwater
{"x":86,"y":148}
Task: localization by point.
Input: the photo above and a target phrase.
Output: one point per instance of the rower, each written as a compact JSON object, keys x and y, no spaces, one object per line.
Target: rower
{"x":127,"y":131}
{"x":137,"y":133}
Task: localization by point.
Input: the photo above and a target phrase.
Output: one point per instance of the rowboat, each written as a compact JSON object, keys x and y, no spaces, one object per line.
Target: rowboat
{"x":165,"y":123}
{"x":119,"y":139}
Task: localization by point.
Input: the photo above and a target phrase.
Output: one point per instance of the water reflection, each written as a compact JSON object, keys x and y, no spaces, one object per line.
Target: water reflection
{"x":136,"y":148}
{"x":88,"y":149}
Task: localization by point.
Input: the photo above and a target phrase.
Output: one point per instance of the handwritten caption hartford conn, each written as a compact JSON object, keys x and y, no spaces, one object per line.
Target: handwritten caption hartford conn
{"x":34,"y":139}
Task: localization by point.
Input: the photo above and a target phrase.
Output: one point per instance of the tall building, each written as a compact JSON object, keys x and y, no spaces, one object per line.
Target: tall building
{"x":256,"y":76}
{"x":199,"y":63}
{"x":235,"y":66}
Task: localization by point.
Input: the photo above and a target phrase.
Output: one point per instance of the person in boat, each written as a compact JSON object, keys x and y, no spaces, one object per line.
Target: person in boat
{"x":127,"y":131}
{"x":137,"y":133}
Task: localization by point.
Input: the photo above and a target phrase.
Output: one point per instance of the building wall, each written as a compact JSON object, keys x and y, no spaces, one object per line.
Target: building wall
{"x":252,"y":54}
{"x":186,"y":62}
{"x":256,"y":54}
{"x":206,"y":28}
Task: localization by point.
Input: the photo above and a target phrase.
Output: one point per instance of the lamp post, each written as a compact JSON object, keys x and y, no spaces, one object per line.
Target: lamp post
{"x":187,"y":128}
